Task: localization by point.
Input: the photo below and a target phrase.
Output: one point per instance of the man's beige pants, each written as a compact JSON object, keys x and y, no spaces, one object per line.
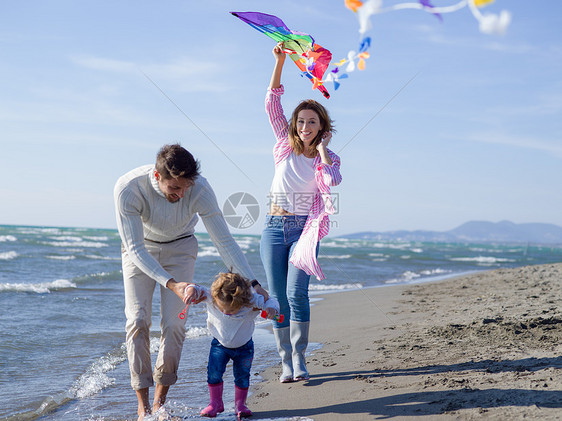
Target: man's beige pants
{"x":178,"y":259}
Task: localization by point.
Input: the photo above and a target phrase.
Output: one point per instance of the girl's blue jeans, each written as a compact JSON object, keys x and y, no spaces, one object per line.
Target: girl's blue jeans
{"x":241,"y":357}
{"x":285,"y":282}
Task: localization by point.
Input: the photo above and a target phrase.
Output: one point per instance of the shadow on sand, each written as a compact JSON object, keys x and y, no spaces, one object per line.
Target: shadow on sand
{"x":433,"y":402}
{"x":428,"y":403}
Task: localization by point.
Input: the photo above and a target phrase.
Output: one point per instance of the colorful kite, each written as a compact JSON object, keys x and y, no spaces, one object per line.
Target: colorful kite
{"x":311,"y":58}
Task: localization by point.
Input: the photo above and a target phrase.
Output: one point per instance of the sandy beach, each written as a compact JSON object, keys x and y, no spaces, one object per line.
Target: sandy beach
{"x":483,"y":346}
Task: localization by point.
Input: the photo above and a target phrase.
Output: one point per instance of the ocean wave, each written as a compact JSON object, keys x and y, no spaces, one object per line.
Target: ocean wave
{"x":208,"y":251}
{"x":95,"y":257}
{"x":410,"y":276}
{"x":5,"y":238}
{"x":342,"y":244}
{"x":113,"y":275}
{"x":81,"y":243}
{"x":95,"y":379}
{"x":39,"y":288}
{"x":486,"y":260}
{"x":379,"y":257}
{"x":96,"y":238}
{"x":339,"y":287}
{"x":392,"y":246}
{"x":335,"y":256}
{"x":333,"y":244}
{"x":196,"y":332}
{"x":435,"y":272}
{"x":61,"y":257}
{"x":407,"y":276}
{"x":38,"y":230}
{"x":67,"y":238}
{"x":8,"y":255}
{"x":246,"y":243}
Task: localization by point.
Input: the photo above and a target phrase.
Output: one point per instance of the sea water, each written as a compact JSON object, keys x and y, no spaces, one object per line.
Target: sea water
{"x":62,"y":352}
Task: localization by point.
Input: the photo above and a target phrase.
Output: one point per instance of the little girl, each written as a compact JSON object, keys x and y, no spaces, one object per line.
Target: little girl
{"x":232,"y":306}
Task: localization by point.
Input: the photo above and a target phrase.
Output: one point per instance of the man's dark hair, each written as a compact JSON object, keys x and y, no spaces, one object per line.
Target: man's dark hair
{"x":175,"y":161}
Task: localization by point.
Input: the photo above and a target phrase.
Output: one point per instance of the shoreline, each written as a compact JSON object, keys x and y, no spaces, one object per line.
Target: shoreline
{"x":483,"y":345}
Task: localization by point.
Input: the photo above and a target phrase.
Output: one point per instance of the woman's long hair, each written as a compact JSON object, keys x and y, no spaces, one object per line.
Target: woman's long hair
{"x":325,"y":122}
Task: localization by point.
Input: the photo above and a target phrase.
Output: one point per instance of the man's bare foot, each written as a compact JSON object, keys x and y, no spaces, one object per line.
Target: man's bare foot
{"x":160,"y":394}
{"x":142,"y":414}
{"x":144,"y":407}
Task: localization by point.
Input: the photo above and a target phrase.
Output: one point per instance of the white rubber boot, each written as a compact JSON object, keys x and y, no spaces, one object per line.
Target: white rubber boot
{"x":285,"y":350}
{"x":299,"y":342}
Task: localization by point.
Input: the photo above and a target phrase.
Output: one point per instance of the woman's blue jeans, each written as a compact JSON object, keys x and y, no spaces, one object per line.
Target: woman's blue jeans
{"x":285,"y":282}
{"x":241,"y":357}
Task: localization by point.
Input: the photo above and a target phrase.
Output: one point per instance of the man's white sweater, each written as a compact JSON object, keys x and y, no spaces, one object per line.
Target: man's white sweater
{"x":143,"y":212}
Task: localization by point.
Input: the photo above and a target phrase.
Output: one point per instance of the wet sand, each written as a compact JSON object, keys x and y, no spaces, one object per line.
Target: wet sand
{"x":482,"y":346}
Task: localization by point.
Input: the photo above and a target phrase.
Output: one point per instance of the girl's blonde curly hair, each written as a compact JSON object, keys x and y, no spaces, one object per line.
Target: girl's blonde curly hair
{"x":233,"y":290}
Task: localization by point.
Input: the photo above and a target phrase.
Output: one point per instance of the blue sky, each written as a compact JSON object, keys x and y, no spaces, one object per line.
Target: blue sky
{"x":474,"y":133}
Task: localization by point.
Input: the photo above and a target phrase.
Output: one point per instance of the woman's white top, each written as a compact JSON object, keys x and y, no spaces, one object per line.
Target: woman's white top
{"x":293,"y":187}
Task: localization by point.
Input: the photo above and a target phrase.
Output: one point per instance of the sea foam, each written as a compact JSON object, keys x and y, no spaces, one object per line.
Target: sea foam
{"x":95,"y":379}
{"x":61,"y":257}
{"x":484,"y":260}
{"x":8,"y":255}
{"x":81,"y":243}
{"x":338,"y":287}
{"x":39,"y":288}
{"x":208,"y":251}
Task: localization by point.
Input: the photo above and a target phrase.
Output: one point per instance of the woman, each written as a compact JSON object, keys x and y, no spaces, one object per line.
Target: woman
{"x":300,"y":204}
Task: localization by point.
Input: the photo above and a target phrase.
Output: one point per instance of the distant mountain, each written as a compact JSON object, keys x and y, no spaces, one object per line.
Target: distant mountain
{"x":476,"y":231}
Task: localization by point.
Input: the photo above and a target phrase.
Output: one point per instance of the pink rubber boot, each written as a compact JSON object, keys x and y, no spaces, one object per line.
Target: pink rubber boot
{"x":216,"y":406}
{"x":240,"y":407}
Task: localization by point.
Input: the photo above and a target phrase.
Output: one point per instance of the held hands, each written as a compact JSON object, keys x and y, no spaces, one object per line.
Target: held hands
{"x":262,"y":292}
{"x":277,"y":317}
{"x":187,"y":292}
{"x":192,"y":295}
{"x":271,"y":312}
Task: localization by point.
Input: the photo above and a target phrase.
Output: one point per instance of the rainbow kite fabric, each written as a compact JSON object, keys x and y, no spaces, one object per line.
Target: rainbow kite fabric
{"x":311,"y":58}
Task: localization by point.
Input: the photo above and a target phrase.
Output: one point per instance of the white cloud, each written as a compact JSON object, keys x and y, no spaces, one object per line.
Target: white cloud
{"x":526,"y":142}
{"x":185,"y":74}
{"x":104,"y":64}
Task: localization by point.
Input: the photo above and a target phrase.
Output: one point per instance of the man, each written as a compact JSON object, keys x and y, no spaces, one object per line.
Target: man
{"x":157,"y":207}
